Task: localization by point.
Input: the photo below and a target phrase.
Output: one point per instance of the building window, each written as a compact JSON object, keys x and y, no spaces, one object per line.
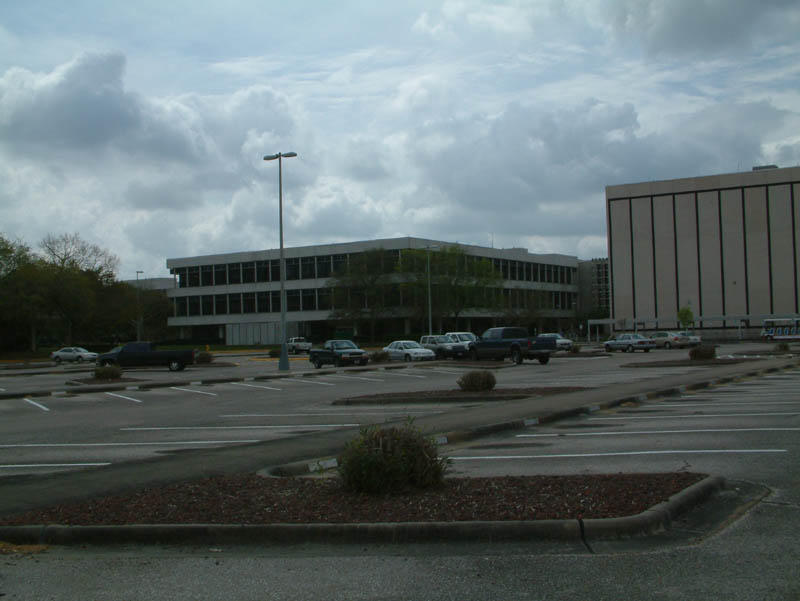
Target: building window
{"x":208,"y":304}
{"x":249,"y":302}
{"x":309,"y":299}
{"x":292,"y":300}
{"x":234,"y":273}
{"x":309,"y":271}
{"x":207,"y":275}
{"x":183,"y":281}
{"x":234,"y":303}
{"x":248,"y":272}
{"x":194,"y":276}
{"x":275,"y":299}
{"x":194,"y":305}
{"x":275,"y":270}
{"x":220,"y":275}
{"x":324,"y":267}
{"x":262,"y":271}
{"x":221,"y":304}
{"x":262,"y":298}
{"x":339,"y":263}
{"x":324,"y":299}
{"x":292,"y":269}
{"x":180,"y":306}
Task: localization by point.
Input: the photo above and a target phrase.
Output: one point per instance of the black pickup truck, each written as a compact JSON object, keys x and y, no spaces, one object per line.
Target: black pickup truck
{"x":499,"y":343}
{"x":338,"y":353}
{"x":140,"y":354}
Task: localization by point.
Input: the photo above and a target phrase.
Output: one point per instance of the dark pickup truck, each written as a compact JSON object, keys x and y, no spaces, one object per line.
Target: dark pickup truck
{"x":499,"y":343}
{"x":338,"y":353}
{"x":140,"y":354}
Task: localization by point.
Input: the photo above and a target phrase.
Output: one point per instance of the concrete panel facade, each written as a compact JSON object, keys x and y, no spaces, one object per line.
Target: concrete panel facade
{"x":727,"y":246}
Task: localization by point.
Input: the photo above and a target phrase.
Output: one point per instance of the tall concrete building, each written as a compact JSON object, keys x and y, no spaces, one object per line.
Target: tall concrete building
{"x":235,"y":297}
{"x":726,"y":246}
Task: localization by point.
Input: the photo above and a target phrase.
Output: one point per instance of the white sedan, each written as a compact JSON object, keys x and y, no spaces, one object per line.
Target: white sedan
{"x":408,"y":350}
{"x":73,"y":353}
{"x":562,"y":344}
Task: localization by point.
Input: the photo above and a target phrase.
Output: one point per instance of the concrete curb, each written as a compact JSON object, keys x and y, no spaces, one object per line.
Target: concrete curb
{"x":655,"y":519}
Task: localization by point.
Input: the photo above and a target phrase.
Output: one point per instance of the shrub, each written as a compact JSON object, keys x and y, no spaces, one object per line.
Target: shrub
{"x":477,"y":381}
{"x":203,"y":357}
{"x":274,"y":352}
{"x":703,"y":351}
{"x":379,"y":357}
{"x":575,"y":348}
{"x":782,"y":347}
{"x":108,"y":372}
{"x":390,"y":460}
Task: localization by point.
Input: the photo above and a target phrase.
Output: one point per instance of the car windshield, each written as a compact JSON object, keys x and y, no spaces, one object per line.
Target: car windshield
{"x":463,"y":337}
{"x":344,"y":344}
{"x":81,"y":350}
{"x":412,"y":344}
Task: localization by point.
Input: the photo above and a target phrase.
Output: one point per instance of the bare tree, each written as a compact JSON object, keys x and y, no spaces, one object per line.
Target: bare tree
{"x":70,"y":251}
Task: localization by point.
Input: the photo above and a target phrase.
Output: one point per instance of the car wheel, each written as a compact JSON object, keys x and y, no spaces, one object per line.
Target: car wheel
{"x":407,"y":358}
{"x":175,"y":365}
{"x":79,"y":359}
{"x":647,"y":350}
{"x":516,"y":356}
{"x":57,"y":360}
{"x":317,"y":363}
{"x":667,"y":345}
{"x":544,"y":359}
{"x":629,"y":349}
{"x":608,"y":348}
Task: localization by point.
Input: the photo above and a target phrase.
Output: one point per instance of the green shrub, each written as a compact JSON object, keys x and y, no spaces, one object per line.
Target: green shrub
{"x":274,"y":352}
{"x":379,"y":357}
{"x":477,"y":381}
{"x":203,"y":357}
{"x":782,"y":347}
{"x":108,"y":372}
{"x":575,"y":348}
{"x":383,"y":460}
{"x":703,"y":351}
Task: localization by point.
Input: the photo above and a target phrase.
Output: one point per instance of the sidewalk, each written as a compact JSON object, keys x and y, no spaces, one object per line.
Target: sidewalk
{"x":301,"y":454}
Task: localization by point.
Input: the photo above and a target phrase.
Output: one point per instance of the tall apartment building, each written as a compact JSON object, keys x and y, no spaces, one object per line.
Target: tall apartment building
{"x":235,"y":297}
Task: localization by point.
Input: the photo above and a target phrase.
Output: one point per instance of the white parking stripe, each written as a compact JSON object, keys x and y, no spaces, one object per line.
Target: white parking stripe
{"x":696,"y":416}
{"x":355,"y":378}
{"x":335,"y":413}
{"x":33,"y":465}
{"x":406,"y":375}
{"x":310,"y":382}
{"x":195,"y":391}
{"x":35,"y":404}
{"x":721,"y":404}
{"x":620,"y":454}
{"x":304,"y":426}
{"x":118,"y":444}
{"x":121,"y":396}
{"x":255,"y":386}
{"x":624,"y":433}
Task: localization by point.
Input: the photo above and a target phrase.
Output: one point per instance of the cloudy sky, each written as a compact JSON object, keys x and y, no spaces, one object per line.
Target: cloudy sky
{"x":142,"y":125}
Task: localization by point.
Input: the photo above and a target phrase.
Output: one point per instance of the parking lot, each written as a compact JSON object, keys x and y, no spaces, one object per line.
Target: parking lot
{"x":65,"y":431}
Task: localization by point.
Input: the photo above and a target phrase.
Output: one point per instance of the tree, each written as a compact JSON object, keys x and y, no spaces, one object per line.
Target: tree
{"x":685,"y":317}
{"x":70,"y":251}
{"x":362,"y":288}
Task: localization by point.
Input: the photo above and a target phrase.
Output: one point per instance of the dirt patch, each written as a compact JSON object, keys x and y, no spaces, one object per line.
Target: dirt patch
{"x":456,"y":396}
{"x":251,"y":499}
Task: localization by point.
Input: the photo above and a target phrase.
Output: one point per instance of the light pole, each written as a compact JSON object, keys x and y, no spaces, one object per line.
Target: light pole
{"x":138,"y":308}
{"x":430,"y":310}
{"x":283,"y":362}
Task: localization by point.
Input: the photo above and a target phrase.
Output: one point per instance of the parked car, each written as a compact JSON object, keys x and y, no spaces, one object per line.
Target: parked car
{"x":669,"y":340}
{"x":692,"y":339}
{"x":73,"y":353}
{"x":629,"y":343}
{"x":338,"y":353}
{"x":408,"y":350}
{"x":444,"y":346}
{"x":513,"y":342}
{"x":298,"y":345}
{"x":141,"y":354}
{"x":562,"y":344}
{"x":465,"y":337}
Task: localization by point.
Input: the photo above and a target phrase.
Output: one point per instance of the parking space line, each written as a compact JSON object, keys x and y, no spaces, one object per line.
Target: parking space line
{"x":118,"y":444}
{"x":310,"y":382}
{"x":356,"y":378}
{"x":122,"y":396}
{"x":621,"y":454}
{"x":34,"y":465}
{"x":625,"y":433}
{"x":231,"y":415}
{"x":406,"y":375}
{"x":721,"y":404}
{"x":695,"y":416}
{"x":254,"y":386}
{"x":449,"y":373}
{"x":35,"y":404}
{"x":195,"y":391}
{"x":306,"y":426}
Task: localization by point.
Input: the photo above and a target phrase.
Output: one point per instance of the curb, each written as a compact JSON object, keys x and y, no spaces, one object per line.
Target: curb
{"x":651,"y":521}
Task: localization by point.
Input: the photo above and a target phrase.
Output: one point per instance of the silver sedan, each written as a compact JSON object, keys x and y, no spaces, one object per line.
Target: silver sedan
{"x":408,"y":350}
{"x":73,"y":353}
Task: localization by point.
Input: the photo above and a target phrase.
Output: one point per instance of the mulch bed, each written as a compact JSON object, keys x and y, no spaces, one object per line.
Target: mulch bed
{"x":252,"y":499}
{"x":456,"y":395}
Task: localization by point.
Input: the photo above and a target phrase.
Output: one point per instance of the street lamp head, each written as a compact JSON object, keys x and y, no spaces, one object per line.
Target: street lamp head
{"x":272,"y":157}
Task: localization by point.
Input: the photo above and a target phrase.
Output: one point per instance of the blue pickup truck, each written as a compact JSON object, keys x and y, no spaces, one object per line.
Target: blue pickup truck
{"x":513,"y":342}
{"x":338,"y":353}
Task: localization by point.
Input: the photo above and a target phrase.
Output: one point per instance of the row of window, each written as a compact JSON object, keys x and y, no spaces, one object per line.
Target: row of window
{"x":320,"y":299}
{"x":324,"y":266}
